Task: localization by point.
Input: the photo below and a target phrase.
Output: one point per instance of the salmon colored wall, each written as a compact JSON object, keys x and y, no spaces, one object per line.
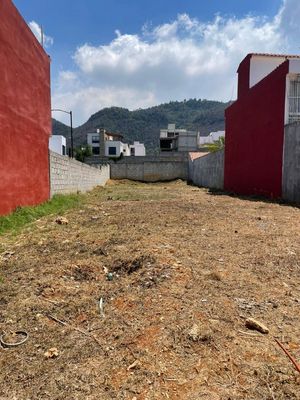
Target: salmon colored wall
{"x":254,"y":137}
{"x":25,"y":113}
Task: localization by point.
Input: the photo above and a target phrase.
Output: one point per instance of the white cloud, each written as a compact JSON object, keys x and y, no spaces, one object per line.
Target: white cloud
{"x":36,"y":29}
{"x":288,"y":19}
{"x":185,"y":58}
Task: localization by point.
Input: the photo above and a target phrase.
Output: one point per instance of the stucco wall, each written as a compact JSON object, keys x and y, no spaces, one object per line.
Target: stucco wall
{"x":149,"y":169}
{"x":291,"y":163}
{"x":261,"y":66}
{"x":25,"y":120}
{"x":254,"y":137}
{"x":69,"y":176}
{"x":208,"y":171}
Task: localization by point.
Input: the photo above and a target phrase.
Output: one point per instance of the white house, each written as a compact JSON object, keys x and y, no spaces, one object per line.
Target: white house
{"x":137,"y":149}
{"x":93,"y":140}
{"x":212,"y":137}
{"x":116,"y":148}
{"x":107,"y":144}
{"x":57,"y":143}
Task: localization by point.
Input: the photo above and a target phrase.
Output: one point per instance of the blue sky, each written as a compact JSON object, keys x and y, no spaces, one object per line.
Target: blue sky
{"x":140,"y":53}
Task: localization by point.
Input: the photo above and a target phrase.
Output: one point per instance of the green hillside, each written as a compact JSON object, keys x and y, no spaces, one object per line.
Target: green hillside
{"x":144,"y":124}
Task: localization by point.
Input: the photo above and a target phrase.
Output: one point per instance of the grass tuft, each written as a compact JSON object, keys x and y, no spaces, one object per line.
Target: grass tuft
{"x":24,"y":215}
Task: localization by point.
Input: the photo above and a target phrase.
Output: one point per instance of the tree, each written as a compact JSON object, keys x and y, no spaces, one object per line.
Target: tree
{"x":216,"y":145}
{"x":82,"y":152}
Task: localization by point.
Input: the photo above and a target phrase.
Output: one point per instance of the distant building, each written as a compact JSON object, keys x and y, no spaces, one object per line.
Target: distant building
{"x":57,"y":143}
{"x":211,"y":138}
{"x":116,"y":148}
{"x":108,"y":144}
{"x":181,"y":140}
{"x":137,"y":149}
{"x":93,"y":140}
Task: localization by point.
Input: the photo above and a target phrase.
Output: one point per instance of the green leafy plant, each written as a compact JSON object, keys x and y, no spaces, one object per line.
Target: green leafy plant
{"x":216,"y":145}
{"x":82,"y":152}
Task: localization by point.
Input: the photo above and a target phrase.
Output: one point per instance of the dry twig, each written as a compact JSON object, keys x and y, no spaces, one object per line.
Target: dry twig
{"x":291,"y":358}
{"x":75,"y":328}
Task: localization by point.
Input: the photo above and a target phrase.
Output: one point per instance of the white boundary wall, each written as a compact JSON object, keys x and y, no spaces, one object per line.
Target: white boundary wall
{"x":70,"y":176}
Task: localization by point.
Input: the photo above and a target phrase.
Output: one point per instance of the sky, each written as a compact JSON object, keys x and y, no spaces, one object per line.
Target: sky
{"x":140,"y":53}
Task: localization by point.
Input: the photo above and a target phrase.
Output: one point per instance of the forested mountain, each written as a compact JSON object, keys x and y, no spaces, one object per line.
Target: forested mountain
{"x":144,"y":124}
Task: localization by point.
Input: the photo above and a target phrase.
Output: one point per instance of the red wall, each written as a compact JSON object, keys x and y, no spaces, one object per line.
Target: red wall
{"x":244,"y":76}
{"x":254,"y":138}
{"x":25,"y":113}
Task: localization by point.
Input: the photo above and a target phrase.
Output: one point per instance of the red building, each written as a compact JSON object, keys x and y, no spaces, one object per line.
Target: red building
{"x":25,"y":113}
{"x":268,"y":98}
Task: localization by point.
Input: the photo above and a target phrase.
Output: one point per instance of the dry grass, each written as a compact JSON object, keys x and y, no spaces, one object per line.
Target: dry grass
{"x":177,"y":258}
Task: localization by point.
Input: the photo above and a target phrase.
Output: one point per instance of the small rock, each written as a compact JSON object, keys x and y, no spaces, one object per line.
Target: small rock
{"x":8,"y":254}
{"x":51,"y":353}
{"x":133,"y":365}
{"x":110,"y":276}
{"x":251,"y":323}
{"x":199,"y":334}
{"x":61,"y":221}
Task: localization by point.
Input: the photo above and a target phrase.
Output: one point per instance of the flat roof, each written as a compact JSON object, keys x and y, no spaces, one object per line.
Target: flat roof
{"x":275,"y":55}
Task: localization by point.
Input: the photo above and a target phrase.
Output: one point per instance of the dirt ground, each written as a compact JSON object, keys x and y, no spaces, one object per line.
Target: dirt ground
{"x":144,"y":295}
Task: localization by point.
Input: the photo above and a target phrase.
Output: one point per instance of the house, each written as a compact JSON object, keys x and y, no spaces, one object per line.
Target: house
{"x":25,"y":113}
{"x":137,"y":149}
{"x":211,"y":138}
{"x":116,"y":148}
{"x":93,"y":140}
{"x":268,"y":99}
{"x":179,"y":140}
{"x":58,"y":144}
{"x":108,"y":144}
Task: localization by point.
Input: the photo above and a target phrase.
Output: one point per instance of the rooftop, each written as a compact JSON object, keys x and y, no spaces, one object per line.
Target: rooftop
{"x":275,"y":55}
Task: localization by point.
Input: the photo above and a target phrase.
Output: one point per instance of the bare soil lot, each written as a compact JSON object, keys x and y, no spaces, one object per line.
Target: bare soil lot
{"x":144,"y":295}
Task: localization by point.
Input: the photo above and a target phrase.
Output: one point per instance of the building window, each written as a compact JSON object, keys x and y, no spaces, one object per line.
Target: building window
{"x":95,"y":139}
{"x":132,"y":151}
{"x":170,"y":134}
{"x":96,"y":150}
{"x":112,"y":151}
{"x":294,"y":99}
{"x":63,"y":150}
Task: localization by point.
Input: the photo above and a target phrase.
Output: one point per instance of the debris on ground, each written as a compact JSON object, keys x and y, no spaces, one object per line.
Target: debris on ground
{"x":51,"y":353}
{"x":252,"y":323}
{"x":200,"y":334}
{"x":61,"y":221}
{"x":188,"y":268}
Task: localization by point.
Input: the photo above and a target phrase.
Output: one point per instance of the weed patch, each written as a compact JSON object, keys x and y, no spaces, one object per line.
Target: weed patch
{"x":24,"y":215}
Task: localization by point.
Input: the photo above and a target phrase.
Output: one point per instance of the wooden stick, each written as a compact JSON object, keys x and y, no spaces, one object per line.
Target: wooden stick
{"x":75,"y":328}
{"x":291,"y":358}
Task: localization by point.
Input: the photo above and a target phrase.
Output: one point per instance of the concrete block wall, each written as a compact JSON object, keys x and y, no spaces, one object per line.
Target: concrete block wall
{"x":69,"y":176}
{"x":147,"y":169}
{"x":291,"y":163}
{"x":208,"y":171}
